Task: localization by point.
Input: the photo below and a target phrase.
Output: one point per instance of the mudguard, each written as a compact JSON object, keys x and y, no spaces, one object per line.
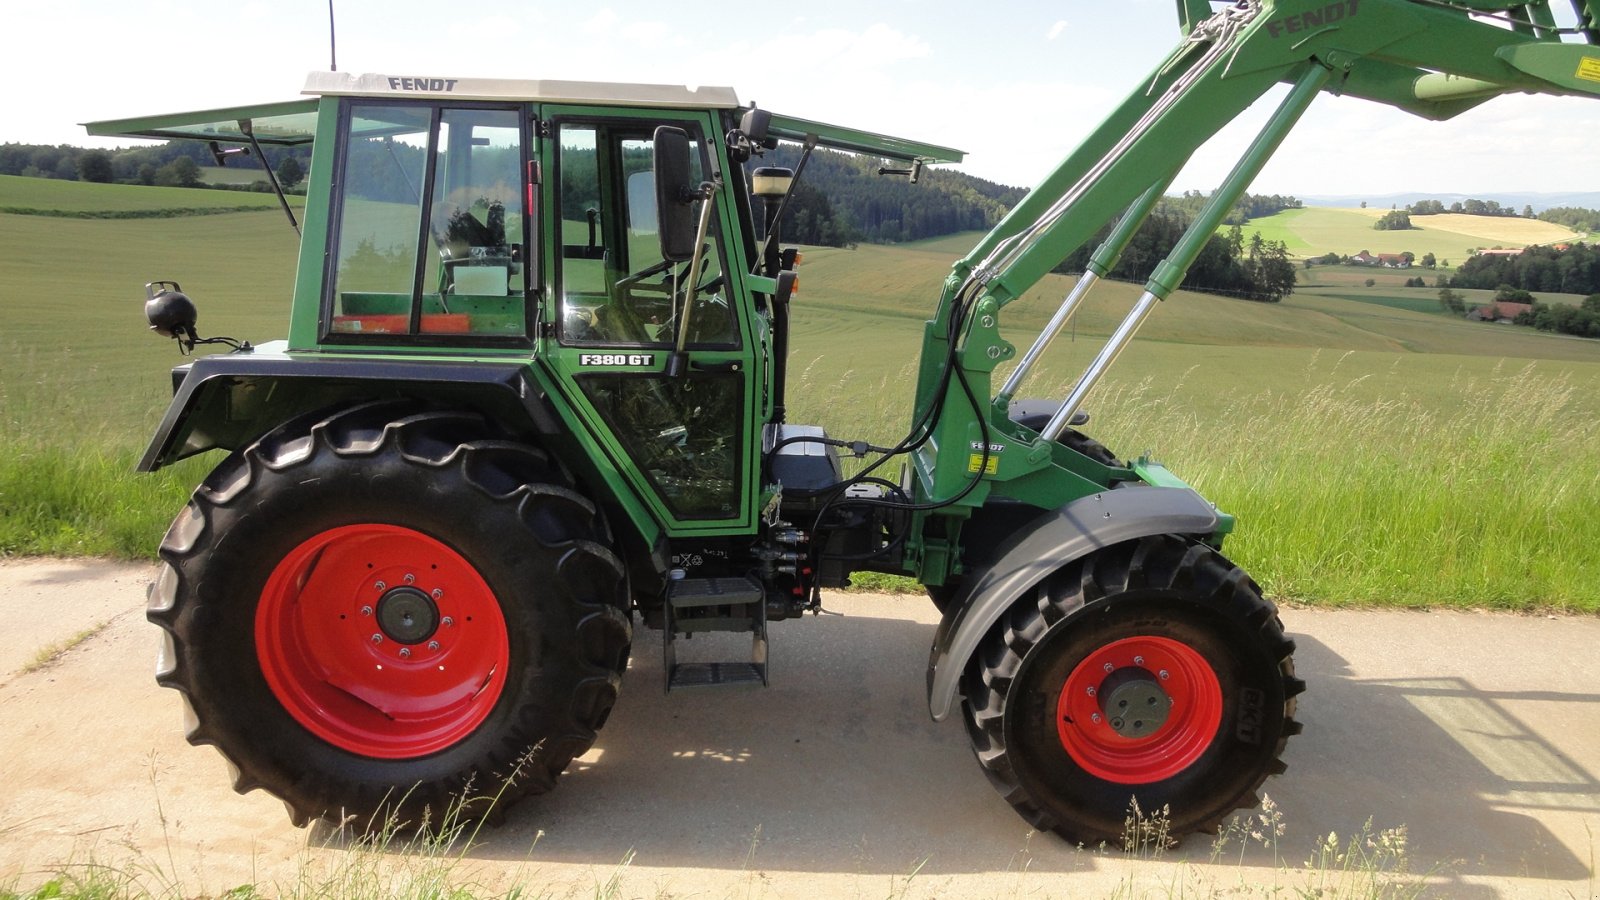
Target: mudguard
{"x":1040,"y":547}
{"x":229,"y":400}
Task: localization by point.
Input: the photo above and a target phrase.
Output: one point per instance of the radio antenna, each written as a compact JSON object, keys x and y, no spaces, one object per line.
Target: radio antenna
{"x":333,"y":56}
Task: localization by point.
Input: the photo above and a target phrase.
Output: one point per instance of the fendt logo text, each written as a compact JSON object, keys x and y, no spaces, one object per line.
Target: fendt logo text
{"x":423,"y":84}
{"x":1333,"y":12}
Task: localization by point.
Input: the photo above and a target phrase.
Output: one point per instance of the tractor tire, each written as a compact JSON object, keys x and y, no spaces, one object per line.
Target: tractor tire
{"x":1163,"y":624}
{"x":390,"y":618}
{"x":1074,"y":439}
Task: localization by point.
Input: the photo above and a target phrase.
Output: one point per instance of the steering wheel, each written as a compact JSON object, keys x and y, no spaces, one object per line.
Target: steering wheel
{"x":630,"y":282}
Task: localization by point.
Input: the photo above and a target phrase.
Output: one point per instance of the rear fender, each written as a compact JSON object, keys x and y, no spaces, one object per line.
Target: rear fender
{"x":1043,"y":545}
{"x":228,"y":401}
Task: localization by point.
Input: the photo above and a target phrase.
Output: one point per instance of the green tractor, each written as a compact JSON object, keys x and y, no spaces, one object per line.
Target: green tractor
{"x":533,"y":397}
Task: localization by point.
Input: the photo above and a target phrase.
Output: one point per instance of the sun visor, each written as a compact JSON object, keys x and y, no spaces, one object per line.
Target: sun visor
{"x":852,"y":140}
{"x":289,"y":124}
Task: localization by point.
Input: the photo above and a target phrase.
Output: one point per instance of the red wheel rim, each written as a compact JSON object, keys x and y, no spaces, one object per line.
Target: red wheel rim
{"x":1148,"y":668}
{"x":382,"y":641}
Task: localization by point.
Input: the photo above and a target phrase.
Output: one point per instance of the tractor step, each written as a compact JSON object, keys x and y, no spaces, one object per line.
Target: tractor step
{"x":717,"y":674}
{"x":698,"y":605}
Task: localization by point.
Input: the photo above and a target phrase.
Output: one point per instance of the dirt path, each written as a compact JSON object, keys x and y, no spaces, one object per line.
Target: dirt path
{"x":1480,"y":733}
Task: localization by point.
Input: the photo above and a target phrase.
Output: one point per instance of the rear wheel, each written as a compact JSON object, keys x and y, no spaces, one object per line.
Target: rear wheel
{"x":383,"y":616}
{"x":1150,"y":672}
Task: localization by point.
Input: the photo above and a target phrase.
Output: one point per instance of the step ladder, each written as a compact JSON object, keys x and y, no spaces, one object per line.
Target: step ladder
{"x":728,"y":604}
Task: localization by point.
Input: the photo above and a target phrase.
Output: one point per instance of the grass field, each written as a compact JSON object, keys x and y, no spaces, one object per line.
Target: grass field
{"x":1374,"y":449}
{"x":1315,"y":231}
{"x":40,"y":194}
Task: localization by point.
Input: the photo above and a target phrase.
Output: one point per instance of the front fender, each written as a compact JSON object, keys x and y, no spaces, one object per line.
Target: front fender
{"x":1043,"y":545}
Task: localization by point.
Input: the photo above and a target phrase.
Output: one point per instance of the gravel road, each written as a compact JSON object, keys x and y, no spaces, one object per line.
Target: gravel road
{"x":1478,"y":732}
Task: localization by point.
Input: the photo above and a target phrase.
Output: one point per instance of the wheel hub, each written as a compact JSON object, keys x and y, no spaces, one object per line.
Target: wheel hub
{"x":1133,"y":702}
{"x":382,"y":641}
{"x":407,"y":615}
{"x":1139,"y":709}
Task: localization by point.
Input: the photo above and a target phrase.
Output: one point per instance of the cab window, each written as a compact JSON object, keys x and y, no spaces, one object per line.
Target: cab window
{"x":430,"y":239}
{"x":614,"y":286}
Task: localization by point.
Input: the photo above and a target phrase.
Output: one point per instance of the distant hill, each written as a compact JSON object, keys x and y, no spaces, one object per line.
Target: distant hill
{"x":843,"y":200}
{"x":1513,"y":199}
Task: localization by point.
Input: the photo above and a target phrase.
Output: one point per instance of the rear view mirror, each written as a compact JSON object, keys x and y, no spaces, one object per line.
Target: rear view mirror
{"x":675,"y":193}
{"x":755,"y":124}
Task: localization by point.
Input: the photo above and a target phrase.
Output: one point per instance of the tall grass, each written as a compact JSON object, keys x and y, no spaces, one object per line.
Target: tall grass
{"x":1346,"y":499}
{"x":67,"y":480}
{"x":1347,"y":494}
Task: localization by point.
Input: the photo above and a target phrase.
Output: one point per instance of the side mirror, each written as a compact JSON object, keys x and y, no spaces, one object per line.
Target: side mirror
{"x":755,"y":124}
{"x":675,"y":193}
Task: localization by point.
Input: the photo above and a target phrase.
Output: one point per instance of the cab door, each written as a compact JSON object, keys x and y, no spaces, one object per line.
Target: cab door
{"x":617,"y":307}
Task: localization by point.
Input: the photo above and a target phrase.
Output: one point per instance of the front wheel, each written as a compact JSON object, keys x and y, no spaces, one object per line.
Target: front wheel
{"x":385,"y":616}
{"x":1151,"y":672}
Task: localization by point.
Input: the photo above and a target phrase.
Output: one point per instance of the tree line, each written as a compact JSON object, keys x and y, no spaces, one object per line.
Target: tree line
{"x":1250,"y":206}
{"x":172,"y":164}
{"x":1469,"y":207}
{"x":842,"y":200}
{"x":1575,"y":270}
{"x":1575,"y":217}
{"x":1253,"y":269}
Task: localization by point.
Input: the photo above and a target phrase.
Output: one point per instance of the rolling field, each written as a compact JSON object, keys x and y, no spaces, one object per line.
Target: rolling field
{"x":1315,"y":231}
{"x":1374,"y":449}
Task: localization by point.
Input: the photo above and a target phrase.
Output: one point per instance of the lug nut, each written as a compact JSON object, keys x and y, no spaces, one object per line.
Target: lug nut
{"x":377,"y":638}
{"x":405,"y":652}
{"x":434,"y":645}
{"x":1138,"y":660}
{"x":410,"y":578}
{"x":1095,"y":718}
{"x":1091,"y":690}
{"x":379,"y":586}
{"x":438,"y":594}
{"x":1164,"y":675}
{"x":1109,"y":667}
{"x":449,"y":622}
{"x":366,"y":610}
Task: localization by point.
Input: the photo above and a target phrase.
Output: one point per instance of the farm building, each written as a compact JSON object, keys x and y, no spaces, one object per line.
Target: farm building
{"x":1501,"y":311}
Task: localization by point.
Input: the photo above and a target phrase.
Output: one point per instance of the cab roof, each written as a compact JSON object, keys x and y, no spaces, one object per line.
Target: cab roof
{"x":294,"y":122}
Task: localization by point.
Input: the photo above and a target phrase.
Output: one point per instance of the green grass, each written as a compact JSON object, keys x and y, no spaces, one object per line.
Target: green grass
{"x":1374,"y":449}
{"x":44,"y":194}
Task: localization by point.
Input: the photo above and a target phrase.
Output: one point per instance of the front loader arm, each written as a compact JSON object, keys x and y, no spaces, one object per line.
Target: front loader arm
{"x":1434,"y":58}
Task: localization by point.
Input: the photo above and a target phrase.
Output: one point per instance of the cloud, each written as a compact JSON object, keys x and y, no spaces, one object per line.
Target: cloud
{"x":1056,"y":29}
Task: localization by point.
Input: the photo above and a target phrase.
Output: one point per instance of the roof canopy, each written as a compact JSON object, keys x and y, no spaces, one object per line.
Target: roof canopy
{"x":294,"y":123}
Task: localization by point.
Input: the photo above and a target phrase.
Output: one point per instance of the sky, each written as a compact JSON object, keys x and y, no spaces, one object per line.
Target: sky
{"x":1016,"y":85}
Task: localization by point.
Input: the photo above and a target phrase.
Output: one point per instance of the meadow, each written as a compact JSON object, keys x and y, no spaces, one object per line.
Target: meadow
{"x":1374,"y":449}
{"x":1315,"y":231}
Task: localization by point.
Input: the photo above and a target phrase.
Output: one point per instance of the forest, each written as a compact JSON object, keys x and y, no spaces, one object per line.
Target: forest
{"x":1231,"y":265}
{"x":1574,"y":270}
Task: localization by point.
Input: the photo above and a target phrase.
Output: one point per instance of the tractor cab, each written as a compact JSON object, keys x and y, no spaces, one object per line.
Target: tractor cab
{"x":539,"y":226}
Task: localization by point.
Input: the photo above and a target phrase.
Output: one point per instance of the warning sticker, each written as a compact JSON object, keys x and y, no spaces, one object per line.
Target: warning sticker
{"x":1589,"y":68}
{"x":976,"y":460}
